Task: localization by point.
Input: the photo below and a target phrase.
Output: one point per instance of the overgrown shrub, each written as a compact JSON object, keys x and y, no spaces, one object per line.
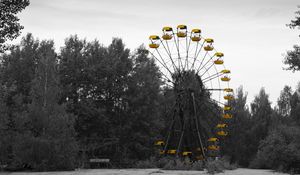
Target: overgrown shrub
{"x":219,"y":165}
{"x":169,"y":163}
{"x":280,"y":150}
{"x":149,"y":163}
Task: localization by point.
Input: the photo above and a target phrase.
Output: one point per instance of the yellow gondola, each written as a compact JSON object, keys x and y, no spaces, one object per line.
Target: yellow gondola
{"x":167,"y":33}
{"x":222,"y":133}
{"x":181,"y":31}
{"x":161,"y":152}
{"x":196,"y":35}
{"x":218,"y":61}
{"x":225,"y":78}
{"x":227,"y":116}
{"x":225,"y":71}
{"x":226,"y":108}
{"x":159,"y":143}
{"x":209,"y":40}
{"x":228,"y":97}
{"x":153,"y":45}
{"x":187,"y":153}
{"x":154,"y":39}
{"x":209,"y":46}
{"x":167,"y":37}
{"x":167,"y":29}
{"x":223,"y":125}
{"x":172,"y":151}
{"x":213,"y":147}
{"x":213,"y":139}
{"x":228,"y":90}
{"x":219,"y":54}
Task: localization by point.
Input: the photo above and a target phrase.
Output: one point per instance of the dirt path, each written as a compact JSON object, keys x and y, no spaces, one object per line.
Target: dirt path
{"x":240,"y":171}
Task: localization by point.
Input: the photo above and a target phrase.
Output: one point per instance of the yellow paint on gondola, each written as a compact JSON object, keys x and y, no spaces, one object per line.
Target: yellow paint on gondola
{"x":213,"y":139}
{"x":167,"y":29}
{"x":225,"y":78}
{"x":227,"y":116}
{"x":218,"y":61}
{"x":187,"y":153}
{"x":154,"y":37}
{"x":228,"y":90}
{"x":222,"y":133}
{"x":219,"y":54}
{"x":223,"y":125}
{"x":226,"y":108}
{"x":209,"y":40}
{"x":167,"y":37}
{"x":181,"y":34}
{"x":153,"y":45}
{"x":208,"y":48}
{"x":228,"y":97}
{"x":213,"y":147}
{"x":181,"y":26}
{"x":172,"y":151}
{"x":159,"y":143}
{"x":225,"y":71}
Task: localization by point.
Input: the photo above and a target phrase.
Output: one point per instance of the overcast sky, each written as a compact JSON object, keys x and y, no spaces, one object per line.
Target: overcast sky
{"x":251,"y":33}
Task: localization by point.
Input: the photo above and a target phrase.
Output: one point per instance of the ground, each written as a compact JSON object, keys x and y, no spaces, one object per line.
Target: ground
{"x":240,"y":171}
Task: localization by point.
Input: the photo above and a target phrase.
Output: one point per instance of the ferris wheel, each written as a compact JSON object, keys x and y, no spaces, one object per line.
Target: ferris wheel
{"x":195,"y":71}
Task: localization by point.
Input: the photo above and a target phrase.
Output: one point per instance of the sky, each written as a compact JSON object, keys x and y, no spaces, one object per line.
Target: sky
{"x":251,"y":33}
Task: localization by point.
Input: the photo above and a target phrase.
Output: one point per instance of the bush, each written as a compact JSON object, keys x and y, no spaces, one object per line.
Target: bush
{"x":169,"y":163}
{"x":43,"y":154}
{"x":149,"y":163}
{"x":219,"y":165}
{"x":177,"y":164}
{"x":280,"y":150}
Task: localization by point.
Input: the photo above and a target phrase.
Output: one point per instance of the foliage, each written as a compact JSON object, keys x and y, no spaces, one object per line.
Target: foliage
{"x":236,"y":145}
{"x":295,"y":105}
{"x":183,"y":164}
{"x":280,"y":150}
{"x":219,"y":165}
{"x":93,"y":101}
{"x":42,"y":133}
{"x":292,"y":59}
{"x":106,"y":86}
{"x":10,"y":27}
{"x":284,"y":101}
{"x":170,"y":163}
{"x":148,"y":163}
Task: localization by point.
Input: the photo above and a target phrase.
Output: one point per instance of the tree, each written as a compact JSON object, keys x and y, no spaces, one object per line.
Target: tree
{"x":10,"y":27}
{"x":236,"y":144}
{"x":284,"y":101}
{"x":141,"y":118}
{"x":38,"y":133}
{"x":295,"y":105}
{"x":280,"y":150}
{"x":292,"y":59}
{"x":261,"y":113}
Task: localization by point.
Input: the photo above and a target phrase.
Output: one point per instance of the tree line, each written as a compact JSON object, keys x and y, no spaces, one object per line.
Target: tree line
{"x":87,"y":100}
